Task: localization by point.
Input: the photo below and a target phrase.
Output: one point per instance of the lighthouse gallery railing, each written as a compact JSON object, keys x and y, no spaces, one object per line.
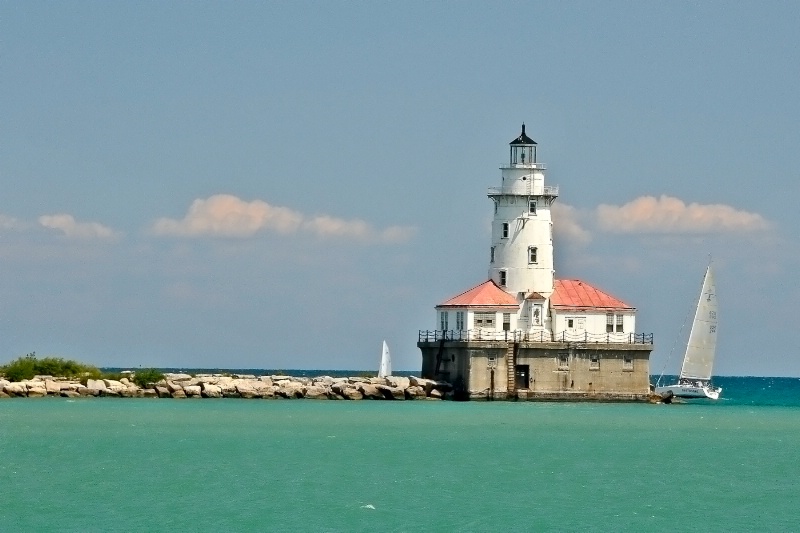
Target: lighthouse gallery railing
{"x":539,"y":336}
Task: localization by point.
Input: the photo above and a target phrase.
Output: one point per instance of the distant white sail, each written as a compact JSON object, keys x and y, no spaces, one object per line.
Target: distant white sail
{"x":699,"y":359}
{"x":386,"y":362}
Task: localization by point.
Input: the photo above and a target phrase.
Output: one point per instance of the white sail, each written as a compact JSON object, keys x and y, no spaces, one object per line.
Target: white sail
{"x":699,"y":358}
{"x":386,"y":362}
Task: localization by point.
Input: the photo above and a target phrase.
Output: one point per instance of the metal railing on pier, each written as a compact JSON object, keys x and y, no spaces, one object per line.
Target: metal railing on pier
{"x":538,"y":336}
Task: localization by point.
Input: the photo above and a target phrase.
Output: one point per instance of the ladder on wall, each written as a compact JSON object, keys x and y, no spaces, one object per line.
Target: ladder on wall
{"x":511,"y":365}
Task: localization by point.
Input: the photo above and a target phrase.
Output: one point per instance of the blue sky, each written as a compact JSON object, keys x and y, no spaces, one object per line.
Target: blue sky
{"x":285,"y":185}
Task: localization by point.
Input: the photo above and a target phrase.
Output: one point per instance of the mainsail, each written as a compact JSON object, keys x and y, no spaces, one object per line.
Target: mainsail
{"x":699,"y":358}
{"x":386,"y":362}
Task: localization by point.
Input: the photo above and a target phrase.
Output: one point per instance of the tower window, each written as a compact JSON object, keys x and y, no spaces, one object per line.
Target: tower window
{"x":505,"y":230}
{"x":531,"y":254}
{"x":503,"y":278}
{"x":443,"y":320}
{"x":532,"y":207}
{"x":491,"y":255}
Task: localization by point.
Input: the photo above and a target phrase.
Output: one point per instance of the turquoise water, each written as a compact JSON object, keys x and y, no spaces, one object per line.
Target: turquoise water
{"x":281,"y":465}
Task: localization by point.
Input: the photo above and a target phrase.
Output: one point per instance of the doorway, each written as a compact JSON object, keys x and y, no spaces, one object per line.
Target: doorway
{"x":521,"y":376}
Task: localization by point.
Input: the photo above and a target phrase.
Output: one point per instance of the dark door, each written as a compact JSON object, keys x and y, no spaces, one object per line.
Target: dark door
{"x":522,"y":375}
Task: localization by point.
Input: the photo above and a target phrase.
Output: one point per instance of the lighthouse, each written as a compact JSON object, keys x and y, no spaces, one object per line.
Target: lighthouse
{"x":521,"y":253}
{"x":523,"y":333}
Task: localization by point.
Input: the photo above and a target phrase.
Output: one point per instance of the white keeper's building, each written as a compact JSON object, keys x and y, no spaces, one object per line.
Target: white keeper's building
{"x":522,"y":333}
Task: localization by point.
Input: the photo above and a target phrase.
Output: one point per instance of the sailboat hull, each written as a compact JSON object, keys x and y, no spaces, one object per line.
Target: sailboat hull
{"x":690,"y":391}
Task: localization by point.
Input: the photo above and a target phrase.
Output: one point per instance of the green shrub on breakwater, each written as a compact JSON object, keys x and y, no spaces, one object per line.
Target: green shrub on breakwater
{"x":29,"y":365}
{"x":145,"y":377}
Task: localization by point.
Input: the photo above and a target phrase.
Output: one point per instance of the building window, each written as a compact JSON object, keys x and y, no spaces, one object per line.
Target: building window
{"x":570,"y":323}
{"x":460,"y":320}
{"x":537,"y":314}
{"x":531,"y":254}
{"x":594,"y":362}
{"x":532,"y":207}
{"x":613,"y":323}
{"x":506,"y":321}
{"x":443,"y":320}
{"x":503,"y":278}
{"x":627,"y":363}
{"x":484,"y":320}
{"x":491,"y":254}
{"x":505,"y":230}
{"x":563,"y":361}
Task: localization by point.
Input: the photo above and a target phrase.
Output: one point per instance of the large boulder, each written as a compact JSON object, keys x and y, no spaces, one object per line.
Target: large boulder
{"x":315,"y":392}
{"x":16,"y":389}
{"x":398,"y":382}
{"x":392,"y":393}
{"x":291,"y":389}
{"x":415,"y":392}
{"x":163,"y":392}
{"x":178,"y":394}
{"x":266,"y":380}
{"x":192,"y":390}
{"x":53,"y":387}
{"x":245,"y":391}
{"x":69,"y":394}
{"x":36,"y":389}
{"x":149,"y":393}
{"x":174,"y":386}
{"x":96,"y":384}
{"x":369,"y":391}
{"x":351,"y":393}
{"x":211,"y":391}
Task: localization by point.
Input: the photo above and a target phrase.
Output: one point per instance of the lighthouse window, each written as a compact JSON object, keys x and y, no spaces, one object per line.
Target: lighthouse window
{"x":443,"y":320}
{"x":531,"y":254}
{"x":505,"y":230}
{"x":503,"y":278}
{"x":532,"y":207}
{"x":594,"y":362}
{"x":627,"y":363}
{"x":491,"y":255}
{"x":563,"y":361}
{"x":460,"y":320}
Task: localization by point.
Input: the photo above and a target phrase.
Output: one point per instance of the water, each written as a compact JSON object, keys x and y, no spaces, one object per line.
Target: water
{"x":281,"y":465}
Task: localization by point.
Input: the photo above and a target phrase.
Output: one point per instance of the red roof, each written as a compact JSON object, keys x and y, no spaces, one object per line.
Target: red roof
{"x":577,"y":294}
{"x":487,"y":294}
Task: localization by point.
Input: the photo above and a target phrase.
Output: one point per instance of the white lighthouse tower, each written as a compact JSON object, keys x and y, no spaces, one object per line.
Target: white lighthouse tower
{"x":521,"y":254}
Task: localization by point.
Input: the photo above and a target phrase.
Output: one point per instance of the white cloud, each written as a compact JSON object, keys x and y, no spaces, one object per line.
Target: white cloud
{"x":668,"y":215}
{"x":10,"y":223}
{"x":567,"y":224}
{"x":225,"y":215}
{"x":77,"y":230}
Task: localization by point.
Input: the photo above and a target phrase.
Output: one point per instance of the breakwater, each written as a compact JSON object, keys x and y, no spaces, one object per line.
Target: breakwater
{"x":237,"y":386}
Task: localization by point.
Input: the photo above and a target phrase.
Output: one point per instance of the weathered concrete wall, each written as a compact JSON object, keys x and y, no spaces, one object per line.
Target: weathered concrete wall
{"x":479,"y":369}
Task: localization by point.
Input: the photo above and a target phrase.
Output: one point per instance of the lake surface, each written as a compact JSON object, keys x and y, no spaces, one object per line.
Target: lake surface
{"x":280,"y":465}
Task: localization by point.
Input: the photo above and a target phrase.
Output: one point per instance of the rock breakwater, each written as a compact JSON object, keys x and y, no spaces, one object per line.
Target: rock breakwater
{"x":236,"y":386}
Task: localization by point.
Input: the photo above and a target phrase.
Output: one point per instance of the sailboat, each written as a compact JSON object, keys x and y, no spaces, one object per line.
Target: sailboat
{"x":386,"y":362}
{"x":698,"y":361}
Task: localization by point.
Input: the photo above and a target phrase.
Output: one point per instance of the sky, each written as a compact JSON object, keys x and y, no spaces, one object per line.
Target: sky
{"x":285,"y":185}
